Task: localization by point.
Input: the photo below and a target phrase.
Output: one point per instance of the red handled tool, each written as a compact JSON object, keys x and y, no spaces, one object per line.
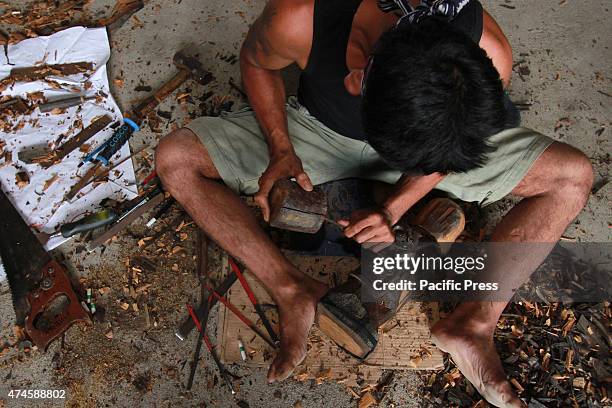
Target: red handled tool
{"x":241,"y":316}
{"x":211,"y":349}
{"x":253,"y":299}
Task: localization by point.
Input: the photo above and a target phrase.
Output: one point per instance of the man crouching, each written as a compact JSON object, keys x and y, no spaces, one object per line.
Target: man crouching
{"x":415,"y":100}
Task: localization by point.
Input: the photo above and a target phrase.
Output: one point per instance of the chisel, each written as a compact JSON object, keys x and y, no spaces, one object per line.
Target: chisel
{"x":87,"y":223}
{"x":139,"y":206}
{"x":162,"y":210}
{"x":64,"y":103}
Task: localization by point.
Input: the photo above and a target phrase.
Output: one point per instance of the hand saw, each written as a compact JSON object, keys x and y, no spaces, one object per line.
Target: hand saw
{"x":43,"y":298}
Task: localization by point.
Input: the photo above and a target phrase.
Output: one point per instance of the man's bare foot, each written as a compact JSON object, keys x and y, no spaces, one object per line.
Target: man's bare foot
{"x":297,"y":313}
{"x":473,"y":351}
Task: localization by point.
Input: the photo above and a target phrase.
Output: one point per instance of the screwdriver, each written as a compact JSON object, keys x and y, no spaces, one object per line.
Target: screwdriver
{"x":86,"y":223}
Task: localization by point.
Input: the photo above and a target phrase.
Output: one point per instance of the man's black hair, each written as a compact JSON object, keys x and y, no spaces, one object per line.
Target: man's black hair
{"x":432,"y":97}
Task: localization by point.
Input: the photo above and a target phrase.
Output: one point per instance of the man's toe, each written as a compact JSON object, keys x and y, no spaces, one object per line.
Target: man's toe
{"x":272,"y":371}
{"x":502,"y":395}
{"x":279,"y":370}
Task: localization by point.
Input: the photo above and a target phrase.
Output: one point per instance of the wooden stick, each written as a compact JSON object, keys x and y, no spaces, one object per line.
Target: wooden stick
{"x":83,"y":181}
{"x":98,"y":175}
{"x":114,"y":166}
{"x":64,"y":150}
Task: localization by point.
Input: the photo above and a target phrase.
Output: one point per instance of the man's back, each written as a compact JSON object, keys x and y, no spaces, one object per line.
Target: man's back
{"x":322,"y":90}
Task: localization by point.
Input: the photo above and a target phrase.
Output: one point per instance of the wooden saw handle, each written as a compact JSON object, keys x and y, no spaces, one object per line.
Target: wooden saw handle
{"x":48,"y":319}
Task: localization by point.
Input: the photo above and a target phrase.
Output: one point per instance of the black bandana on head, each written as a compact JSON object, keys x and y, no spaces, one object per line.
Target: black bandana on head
{"x":446,"y":9}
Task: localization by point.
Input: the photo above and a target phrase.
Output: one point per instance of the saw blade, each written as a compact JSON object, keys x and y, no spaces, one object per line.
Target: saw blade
{"x":22,"y":255}
{"x":43,"y":297}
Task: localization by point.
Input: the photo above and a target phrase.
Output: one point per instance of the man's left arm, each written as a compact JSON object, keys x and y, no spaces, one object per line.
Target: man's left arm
{"x":376,"y":224}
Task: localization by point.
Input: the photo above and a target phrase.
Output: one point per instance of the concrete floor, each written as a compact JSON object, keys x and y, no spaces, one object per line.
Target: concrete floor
{"x":566,"y":47}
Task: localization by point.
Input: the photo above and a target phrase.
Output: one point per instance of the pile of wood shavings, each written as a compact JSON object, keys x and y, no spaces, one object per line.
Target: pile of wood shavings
{"x":554,"y":355}
{"x":40,"y":18}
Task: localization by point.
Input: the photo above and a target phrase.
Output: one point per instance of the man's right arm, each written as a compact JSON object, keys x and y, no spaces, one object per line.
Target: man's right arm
{"x":273,"y":42}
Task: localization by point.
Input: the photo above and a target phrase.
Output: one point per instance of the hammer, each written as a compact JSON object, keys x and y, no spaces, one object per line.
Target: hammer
{"x":294,"y":209}
{"x":188,"y":66}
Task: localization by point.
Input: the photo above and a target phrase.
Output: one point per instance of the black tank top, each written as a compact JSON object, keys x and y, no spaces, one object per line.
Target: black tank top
{"x":321,"y":89}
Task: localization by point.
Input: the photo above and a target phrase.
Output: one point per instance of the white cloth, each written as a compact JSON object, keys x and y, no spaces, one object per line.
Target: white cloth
{"x":46,"y":210}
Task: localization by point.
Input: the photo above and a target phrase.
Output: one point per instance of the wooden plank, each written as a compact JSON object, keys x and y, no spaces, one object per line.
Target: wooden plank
{"x":404,"y":342}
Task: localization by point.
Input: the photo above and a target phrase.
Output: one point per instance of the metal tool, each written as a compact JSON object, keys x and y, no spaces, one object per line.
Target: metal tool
{"x":140,"y":202}
{"x":106,"y":150}
{"x":210,"y":347}
{"x":138,"y":207}
{"x":162,"y":210}
{"x":218,"y":295}
{"x":101,"y":156}
{"x":99,"y":176}
{"x":242,"y":317}
{"x":188,"y":67}
{"x":253,"y":299}
{"x":43,"y":298}
{"x":87,"y":223}
{"x":201,"y":271}
{"x":37,"y":72}
{"x":47,"y":157}
{"x":187,"y":326}
{"x":64,"y":103}
{"x":198,"y":349}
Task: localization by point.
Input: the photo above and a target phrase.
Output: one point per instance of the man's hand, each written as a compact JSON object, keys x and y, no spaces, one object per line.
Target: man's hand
{"x":369,"y":226}
{"x":281,"y":166}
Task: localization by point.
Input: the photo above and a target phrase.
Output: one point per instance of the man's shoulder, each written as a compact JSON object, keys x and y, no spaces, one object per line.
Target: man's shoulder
{"x":287,"y":26}
{"x":292,"y":6}
{"x":290,"y":16}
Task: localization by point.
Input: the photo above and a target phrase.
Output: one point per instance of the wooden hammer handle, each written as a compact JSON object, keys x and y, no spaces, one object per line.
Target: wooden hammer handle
{"x":145,"y":107}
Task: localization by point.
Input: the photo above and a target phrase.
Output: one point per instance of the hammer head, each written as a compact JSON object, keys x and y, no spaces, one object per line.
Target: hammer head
{"x":292,"y":208}
{"x":189,"y":63}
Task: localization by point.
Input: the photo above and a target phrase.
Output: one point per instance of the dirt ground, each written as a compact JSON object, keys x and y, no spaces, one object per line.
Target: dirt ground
{"x":563,"y":73}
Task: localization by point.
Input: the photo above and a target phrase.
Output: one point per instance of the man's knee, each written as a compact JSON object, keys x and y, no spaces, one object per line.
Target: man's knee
{"x":562,"y":172}
{"x":573,"y":177}
{"x":169,"y":151}
{"x":180,"y":151}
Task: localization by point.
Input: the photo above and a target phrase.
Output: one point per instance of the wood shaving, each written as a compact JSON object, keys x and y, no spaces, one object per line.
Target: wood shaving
{"x":50,"y":182}
{"x":22,"y":179}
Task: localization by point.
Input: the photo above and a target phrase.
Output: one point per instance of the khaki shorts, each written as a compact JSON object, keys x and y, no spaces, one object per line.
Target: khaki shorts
{"x":240,"y":154}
